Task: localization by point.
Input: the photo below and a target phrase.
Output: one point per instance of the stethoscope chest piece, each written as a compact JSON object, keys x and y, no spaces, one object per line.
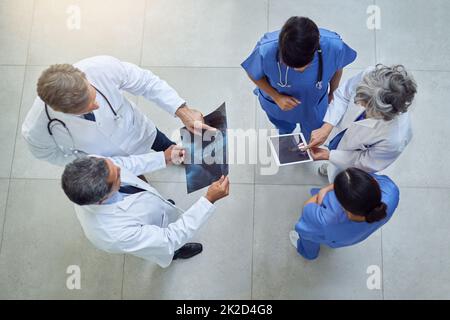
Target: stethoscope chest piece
{"x":319,"y":85}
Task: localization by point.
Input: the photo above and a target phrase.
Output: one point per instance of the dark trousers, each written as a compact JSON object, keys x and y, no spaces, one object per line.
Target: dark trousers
{"x":161,"y":142}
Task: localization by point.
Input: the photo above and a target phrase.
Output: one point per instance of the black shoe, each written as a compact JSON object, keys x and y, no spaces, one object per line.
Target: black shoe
{"x":171,"y":201}
{"x":188,"y":251}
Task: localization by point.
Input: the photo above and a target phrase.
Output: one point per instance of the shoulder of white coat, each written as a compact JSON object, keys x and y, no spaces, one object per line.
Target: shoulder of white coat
{"x":97,"y":62}
{"x":103,"y":221}
{"x":36,"y":119}
{"x":99,"y":67}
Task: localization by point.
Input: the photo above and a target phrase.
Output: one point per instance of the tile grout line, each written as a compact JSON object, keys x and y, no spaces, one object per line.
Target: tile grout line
{"x":375,"y":39}
{"x":17,"y":125}
{"x":4,"y":215}
{"x":255,"y":103}
{"x":222,"y":67}
{"x":382,"y":266}
{"x":253,"y":238}
{"x":313,"y":184}
{"x":123,"y":276}
{"x":143,"y":33}
{"x":381,"y":231}
{"x":140,"y":63}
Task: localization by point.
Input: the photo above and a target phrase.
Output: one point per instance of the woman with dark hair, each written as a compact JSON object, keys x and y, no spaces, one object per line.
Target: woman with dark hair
{"x":345,"y":213}
{"x":296,"y":70}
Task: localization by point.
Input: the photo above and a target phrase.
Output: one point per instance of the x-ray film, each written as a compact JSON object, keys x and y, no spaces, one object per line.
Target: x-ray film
{"x":206,"y":155}
{"x":287,"y":149}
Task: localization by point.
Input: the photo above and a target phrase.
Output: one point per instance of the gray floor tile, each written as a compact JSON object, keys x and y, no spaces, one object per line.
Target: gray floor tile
{"x":352,"y":27}
{"x":4,"y":184}
{"x":416,"y":246}
{"x":10,"y":95}
{"x":280,"y":273}
{"x":15,"y":26}
{"x":414,"y":33}
{"x":42,"y":237}
{"x":206,"y":89}
{"x":25,"y":165}
{"x":203,"y":32}
{"x":118,"y":33}
{"x":221,"y":271}
{"x":424,"y":163}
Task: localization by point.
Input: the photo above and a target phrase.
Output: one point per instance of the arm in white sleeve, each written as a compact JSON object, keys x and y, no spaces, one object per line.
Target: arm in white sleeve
{"x":144,"y":83}
{"x":143,"y":163}
{"x":150,"y":241}
{"x":374,"y":159}
{"x":341,"y":100}
{"x":45,"y":149}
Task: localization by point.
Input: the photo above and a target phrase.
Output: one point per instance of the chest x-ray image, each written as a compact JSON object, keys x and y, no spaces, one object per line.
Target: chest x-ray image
{"x":287,"y":149}
{"x":206,"y":155}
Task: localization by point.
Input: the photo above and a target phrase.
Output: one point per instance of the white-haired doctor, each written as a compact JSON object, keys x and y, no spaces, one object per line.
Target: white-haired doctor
{"x":367,"y":126}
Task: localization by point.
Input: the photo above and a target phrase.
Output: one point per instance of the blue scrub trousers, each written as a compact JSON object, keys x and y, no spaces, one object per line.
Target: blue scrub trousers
{"x":308,"y":249}
{"x":283,"y":127}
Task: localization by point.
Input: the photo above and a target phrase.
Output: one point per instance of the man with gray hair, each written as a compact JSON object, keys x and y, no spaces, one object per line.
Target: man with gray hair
{"x":367,"y":126}
{"x":81,"y":109}
{"x":120,"y":213}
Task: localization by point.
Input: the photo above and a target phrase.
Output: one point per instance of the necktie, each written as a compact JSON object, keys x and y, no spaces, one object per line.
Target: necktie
{"x":89,"y":116}
{"x":335,"y":141}
{"x":130,"y":189}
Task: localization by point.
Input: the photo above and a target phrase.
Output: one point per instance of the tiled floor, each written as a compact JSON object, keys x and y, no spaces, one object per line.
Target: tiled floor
{"x":197,"y":45}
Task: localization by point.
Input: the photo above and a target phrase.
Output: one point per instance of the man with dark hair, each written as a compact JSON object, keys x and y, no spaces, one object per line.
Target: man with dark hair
{"x":297,"y":70}
{"x":120,"y":213}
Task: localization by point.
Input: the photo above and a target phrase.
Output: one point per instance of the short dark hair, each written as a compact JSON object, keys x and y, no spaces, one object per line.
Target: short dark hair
{"x":85,"y":180}
{"x":298,"y":41}
{"x":360,"y":194}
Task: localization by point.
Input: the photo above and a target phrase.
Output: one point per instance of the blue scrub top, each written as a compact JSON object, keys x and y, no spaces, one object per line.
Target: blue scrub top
{"x":328,"y":223}
{"x":263,"y":62}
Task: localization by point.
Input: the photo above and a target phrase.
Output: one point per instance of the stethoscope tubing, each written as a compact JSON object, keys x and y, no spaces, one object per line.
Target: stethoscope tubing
{"x":52,"y":121}
{"x":319,"y":83}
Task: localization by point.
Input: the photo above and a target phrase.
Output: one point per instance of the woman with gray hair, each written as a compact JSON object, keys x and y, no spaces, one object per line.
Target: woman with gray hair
{"x":367,"y":126}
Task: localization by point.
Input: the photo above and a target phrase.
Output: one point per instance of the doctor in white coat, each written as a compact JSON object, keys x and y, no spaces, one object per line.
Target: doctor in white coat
{"x":120,"y":213}
{"x":367,"y":126}
{"x":81,"y":109}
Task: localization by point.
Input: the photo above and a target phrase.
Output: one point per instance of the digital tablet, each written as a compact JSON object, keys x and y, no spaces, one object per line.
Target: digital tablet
{"x":286,"y":149}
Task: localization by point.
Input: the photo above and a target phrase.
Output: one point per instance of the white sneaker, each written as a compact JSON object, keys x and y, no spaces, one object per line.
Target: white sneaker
{"x":323,"y":170}
{"x":293,"y":236}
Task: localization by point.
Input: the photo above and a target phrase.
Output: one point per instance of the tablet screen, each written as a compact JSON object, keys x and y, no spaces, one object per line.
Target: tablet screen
{"x":287,"y":149}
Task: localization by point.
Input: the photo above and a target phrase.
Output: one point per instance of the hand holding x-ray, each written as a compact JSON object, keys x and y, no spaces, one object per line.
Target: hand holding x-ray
{"x":218,"y":190}
{"x":193,"y":120}
{"x":175,"y":155}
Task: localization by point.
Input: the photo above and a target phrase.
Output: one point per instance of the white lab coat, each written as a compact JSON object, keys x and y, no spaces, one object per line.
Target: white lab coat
{"x":143,"y":224}
{"x":133,"y":133}
{"x":370,"y":144}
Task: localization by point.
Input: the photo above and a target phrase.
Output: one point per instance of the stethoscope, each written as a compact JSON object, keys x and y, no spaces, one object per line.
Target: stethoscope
{"x":319,"y":83}
{"x":53,"y":122}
